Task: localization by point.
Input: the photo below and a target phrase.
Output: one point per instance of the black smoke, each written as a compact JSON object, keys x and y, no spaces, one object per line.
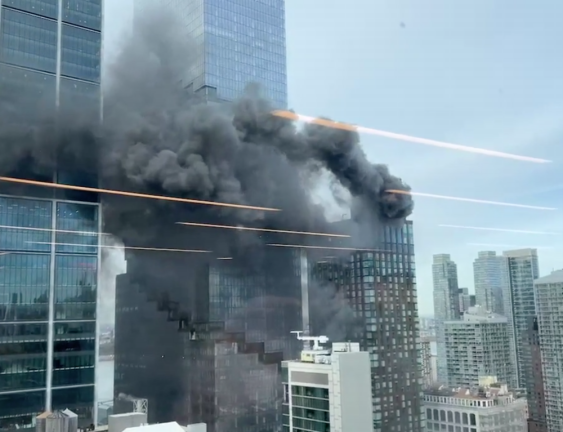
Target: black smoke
{"x":159,"y":137}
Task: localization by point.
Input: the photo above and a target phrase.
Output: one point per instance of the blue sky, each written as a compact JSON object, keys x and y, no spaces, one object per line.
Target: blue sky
{"x":481,"y":73}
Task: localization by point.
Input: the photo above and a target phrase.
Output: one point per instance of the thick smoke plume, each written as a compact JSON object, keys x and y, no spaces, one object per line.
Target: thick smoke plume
{"x":158,"y":137}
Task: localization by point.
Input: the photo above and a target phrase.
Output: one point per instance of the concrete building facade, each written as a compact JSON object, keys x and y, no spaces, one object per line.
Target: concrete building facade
{"x":478,"y":345}
{"x":491,"y":407}
{"x":328,"y":390}
{"x":549,"y":303}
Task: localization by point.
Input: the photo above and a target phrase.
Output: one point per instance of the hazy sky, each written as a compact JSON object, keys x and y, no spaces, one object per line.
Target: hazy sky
{"x":481,"y":73}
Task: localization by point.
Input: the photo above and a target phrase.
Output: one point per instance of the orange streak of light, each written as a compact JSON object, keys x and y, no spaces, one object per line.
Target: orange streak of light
{"x":125,"y":247}
{"x":326,"y":247}
{"x":134,"y":194}
{"x":401,"y":137}
{"x":478,"y":201}
{"x":500,"y":229}
{"x":243,"y":228}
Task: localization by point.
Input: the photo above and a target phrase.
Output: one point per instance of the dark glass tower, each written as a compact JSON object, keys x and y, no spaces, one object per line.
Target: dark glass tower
{"x":203,"y":338}
{"x":380,"y":287}
{"x":50,"y":54}
{"x":238,"y":42}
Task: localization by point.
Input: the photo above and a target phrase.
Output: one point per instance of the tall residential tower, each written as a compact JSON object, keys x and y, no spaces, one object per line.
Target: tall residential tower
{"x":446,"y":305}
{"x":50,"y":54}
{"x":491,"y":277}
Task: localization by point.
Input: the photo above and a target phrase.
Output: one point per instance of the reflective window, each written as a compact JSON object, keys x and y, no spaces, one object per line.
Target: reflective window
{"x":75,"y":287}
{"x":86,"y":95}
{"x":81,"y":222}
{"x":75,"y":330}
{"x":29,"y":40}
{"x":84,"y":13}
{"x":16,"y":82}
{"x":81,"y":53}
{"x":73,"y":362}
{"x":33,"y":219}
{"x":23,"y":332}
{"x":47,"y":8}
{"x":23,"y":365}
{"x":18,"y":410}
{"x":79,"y":400}
{"x":24,"y":287}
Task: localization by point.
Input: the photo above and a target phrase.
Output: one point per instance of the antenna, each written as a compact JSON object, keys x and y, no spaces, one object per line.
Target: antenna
{"x":315,"y":339}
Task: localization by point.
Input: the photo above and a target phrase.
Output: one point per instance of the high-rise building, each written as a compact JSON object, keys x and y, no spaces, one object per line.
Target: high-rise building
{"x":491,"y":407}
{"x":50,"y":54}
{"x":236,"y":42}
{"x":463,"y":300}
{"x":549,"y":303}
{"x":490,"y":272}
{"x":328,"y":390}
{"x":202,"y":338}
{"x":519,"y":305}
{"x":428,"y":362}
{"x":472,"y":300}
{"x":380,"y":287}
{"x":446,"y":305}
{"x":478,"y":346}
{"x":535,"y":393}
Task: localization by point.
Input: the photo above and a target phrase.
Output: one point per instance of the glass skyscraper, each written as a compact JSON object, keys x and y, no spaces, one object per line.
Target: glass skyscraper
{"x":50,"y":52}
{"x":237,"y":42}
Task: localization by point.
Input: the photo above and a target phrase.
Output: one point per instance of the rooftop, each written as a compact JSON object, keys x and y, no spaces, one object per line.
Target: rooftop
{"x":555,"y":277}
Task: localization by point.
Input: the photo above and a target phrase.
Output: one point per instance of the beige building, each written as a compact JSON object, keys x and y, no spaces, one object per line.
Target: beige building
{"x":491,"y":407}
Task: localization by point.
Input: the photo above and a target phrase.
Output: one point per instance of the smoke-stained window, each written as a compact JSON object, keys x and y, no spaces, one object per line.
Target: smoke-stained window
{"x":81,"y":53}
{"x":77,"y":228}
{"x":25,"y":225}
{"x":24,"y":287}
{"x":17,"y":82}
{"x":75,"y":287}
{"x":29,"y":41}
{"x":83,"y":13}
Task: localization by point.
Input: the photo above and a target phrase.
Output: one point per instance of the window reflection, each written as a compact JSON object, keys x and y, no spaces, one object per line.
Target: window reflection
{"x":19,"y":409}
{"x":34,"y":218}
{"x":77,"y":217}
{"x":74,"y":362}
{"x":22,"y":365}
{"x":75,"y":287}
{"x":79,"y":400}
{"x":29,"y":40}
{"x":46,"y":8}
{"x":24,"y":287}
{"x":81,"y":53}
{"x":84,"y":13}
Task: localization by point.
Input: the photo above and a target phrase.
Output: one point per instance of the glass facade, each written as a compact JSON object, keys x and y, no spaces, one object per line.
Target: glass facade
{"x":239,"y":41}
{"x":30,"y":48}
{"x":380,"y":287}
{"x":47,"y":308}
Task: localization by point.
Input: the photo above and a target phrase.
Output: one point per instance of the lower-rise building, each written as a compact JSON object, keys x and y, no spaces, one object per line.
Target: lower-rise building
{"x":327,"y":390}
{"x":491,"y":407}
{"x":478,"y":345}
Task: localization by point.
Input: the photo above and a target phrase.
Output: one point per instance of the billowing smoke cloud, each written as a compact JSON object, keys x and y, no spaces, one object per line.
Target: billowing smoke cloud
{"x":159,"y":138}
